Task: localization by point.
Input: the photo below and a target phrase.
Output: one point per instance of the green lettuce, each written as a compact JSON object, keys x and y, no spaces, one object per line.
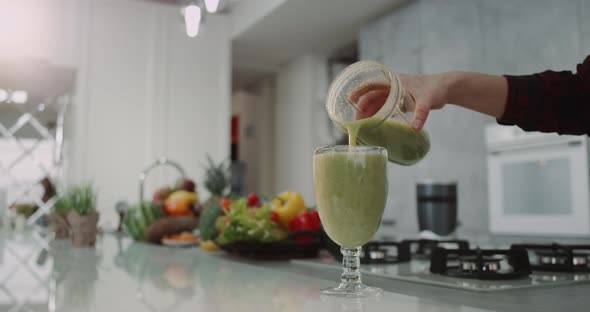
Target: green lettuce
{"x":249,"y":224}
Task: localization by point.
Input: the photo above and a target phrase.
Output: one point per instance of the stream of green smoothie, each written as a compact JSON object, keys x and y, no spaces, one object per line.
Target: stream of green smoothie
{"x":404,"y":145}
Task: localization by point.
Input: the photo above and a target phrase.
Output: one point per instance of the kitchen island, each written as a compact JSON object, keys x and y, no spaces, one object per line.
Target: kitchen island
{"x":120,"y":275}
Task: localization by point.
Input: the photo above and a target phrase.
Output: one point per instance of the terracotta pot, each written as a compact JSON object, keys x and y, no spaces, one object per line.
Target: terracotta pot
{"x":60,"y":225}
{"x":83,"y":228}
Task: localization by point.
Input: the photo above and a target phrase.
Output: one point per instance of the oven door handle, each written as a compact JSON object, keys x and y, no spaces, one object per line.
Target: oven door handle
{"x":572,"y":143}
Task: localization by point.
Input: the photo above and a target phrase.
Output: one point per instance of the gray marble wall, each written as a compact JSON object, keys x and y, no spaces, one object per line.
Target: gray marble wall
{"x":500,"y":37}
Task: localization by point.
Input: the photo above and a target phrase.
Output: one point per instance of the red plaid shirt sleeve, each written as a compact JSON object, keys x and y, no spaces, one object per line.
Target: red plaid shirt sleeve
{"x":550,"y":101}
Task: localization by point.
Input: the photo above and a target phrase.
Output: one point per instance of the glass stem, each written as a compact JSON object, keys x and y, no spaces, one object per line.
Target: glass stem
{"x":350,"y":265}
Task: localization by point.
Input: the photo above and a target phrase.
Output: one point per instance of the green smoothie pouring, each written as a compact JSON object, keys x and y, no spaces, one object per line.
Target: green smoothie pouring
{"x":404,"y":145}
{"x":368,"y":101}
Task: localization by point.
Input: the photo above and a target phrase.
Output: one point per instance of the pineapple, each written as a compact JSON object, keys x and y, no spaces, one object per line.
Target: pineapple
{"x":216,"y":180}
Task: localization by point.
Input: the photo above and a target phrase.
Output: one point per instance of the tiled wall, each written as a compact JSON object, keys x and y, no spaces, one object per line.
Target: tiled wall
{"x":500,"y":37}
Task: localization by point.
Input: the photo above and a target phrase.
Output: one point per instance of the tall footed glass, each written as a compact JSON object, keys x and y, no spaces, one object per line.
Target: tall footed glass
{"x":350,"y":186}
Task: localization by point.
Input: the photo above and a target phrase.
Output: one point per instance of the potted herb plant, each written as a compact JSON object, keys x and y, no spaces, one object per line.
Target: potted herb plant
{"x":82,"y":217}
{"x":59,"y":218}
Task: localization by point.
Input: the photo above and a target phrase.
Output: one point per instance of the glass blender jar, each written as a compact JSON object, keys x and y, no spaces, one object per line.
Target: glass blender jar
{"x":368,"y":101}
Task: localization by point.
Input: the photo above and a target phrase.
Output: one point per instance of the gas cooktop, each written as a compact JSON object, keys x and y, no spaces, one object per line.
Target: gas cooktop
{"x":454,"y":264}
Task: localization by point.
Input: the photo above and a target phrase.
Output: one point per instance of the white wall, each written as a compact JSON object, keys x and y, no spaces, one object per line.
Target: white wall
{"x":40,"y":29}
{"x":255,"y":107}
{"x":145,"y":90}
{"x":245,"y":106}
{"x":300,"y":100}
{"x":266,"y":133}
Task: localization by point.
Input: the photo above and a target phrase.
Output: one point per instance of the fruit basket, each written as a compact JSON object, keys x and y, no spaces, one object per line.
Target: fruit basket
{"x":177,"y":211}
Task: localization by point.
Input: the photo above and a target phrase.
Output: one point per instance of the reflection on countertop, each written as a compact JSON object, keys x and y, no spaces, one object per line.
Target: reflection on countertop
{"x":120,"y":275}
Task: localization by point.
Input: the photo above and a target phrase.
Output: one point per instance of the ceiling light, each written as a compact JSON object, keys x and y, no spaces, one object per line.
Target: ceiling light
{"x":19,"y":96}
{"x":3,"y":95}
{"x":212,"y":5}
{"x":192,"y":20}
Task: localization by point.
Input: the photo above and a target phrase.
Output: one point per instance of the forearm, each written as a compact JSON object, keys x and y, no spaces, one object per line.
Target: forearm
{"x":479,"y":92}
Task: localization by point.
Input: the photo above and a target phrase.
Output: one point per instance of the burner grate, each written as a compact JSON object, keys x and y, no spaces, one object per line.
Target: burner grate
{"x":484,"y":264}
{"x":557,"y":257}
{"x":422,"y":248}
{"x":381,"y":253}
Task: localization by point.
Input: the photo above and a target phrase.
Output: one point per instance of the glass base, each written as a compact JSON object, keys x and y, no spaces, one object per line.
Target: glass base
{"x":353,"y":290}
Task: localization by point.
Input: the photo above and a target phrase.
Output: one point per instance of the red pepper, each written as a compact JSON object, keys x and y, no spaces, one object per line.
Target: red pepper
{"x":305,"y":221}
{"x":315,"y":217}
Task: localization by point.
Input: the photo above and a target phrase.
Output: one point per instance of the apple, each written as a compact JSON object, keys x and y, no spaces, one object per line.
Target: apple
{"x":185,"y":184}
{"x":180,"y":203}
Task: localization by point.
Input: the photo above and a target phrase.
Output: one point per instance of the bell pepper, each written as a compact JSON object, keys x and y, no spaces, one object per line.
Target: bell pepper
{"x":287,"y":205}
{"x":305,"y":221}
{"x":308,"y":220}
{"x":209,"y":245}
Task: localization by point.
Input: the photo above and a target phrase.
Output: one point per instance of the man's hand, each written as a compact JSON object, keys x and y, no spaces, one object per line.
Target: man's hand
{"x":428,"y":91}
{"x":479,"y":92}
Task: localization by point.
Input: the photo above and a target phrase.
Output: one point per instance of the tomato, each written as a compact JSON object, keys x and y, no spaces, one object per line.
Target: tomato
{"x":252,"y":200}
{"x":274,"y":217}
{"x":225,"y":204}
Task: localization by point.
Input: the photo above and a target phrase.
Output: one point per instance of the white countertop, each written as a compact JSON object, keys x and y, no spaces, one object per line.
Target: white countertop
{"x":120,"y":275}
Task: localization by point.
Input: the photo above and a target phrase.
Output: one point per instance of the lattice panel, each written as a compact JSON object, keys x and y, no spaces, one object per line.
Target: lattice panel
{"x":30,"y":150}
{"x":26,"y":277}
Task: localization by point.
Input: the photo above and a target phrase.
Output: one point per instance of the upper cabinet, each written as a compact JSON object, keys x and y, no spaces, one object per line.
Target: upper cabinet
{"x":528,"y":36}
{"x":450,"y":35}
{"x":498,"y":37}
{"x":584,"y":20}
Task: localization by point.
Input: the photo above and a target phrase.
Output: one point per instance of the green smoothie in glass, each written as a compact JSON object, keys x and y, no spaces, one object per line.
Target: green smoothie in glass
{"x":350,"y":185}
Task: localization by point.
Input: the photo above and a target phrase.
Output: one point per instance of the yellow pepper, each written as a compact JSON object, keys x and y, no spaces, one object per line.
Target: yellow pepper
{"x":209,"y":245}
{"x":287,"y":205}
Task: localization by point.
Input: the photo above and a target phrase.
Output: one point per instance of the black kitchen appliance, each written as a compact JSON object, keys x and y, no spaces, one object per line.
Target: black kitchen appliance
{"x":437,"y":207}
